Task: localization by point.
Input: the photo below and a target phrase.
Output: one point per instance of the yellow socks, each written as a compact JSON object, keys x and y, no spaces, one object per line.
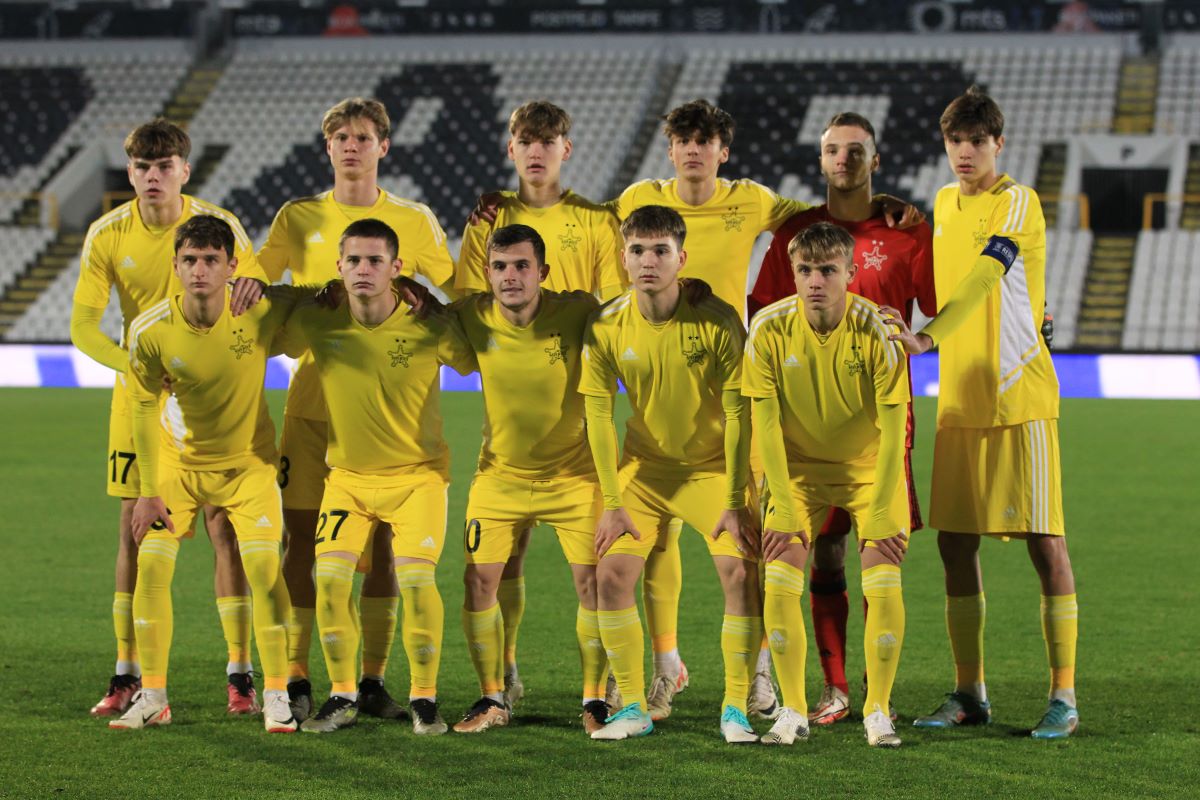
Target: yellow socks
{"x":337,"y":620}
{"x":621,"y":632}
{"x":592,"y":657}
{"x":511,"y":595}
{"x":424,"y":620}
{"x":260,"y":560}
{"x":783,"y":617}
{"x":152,"y":608}
{"x":661,"y":584}
{"x":1060,"y":627}
{"x":122,"y":611}
{"x":884,"y":633}
{"x":300,"y":628}
{"x":964,"y":623}
{"x":485,"y":642}
{"x":378,"y":615}
{"x":235,"y":617}
{"x":740,"y":641}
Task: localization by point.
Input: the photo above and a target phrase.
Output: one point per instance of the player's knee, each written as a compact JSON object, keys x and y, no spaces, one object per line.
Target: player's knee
{"x":585,"y":584}
{"x":481,"y":586}
{"x":612,"y":583}
{"x":262,"y":570}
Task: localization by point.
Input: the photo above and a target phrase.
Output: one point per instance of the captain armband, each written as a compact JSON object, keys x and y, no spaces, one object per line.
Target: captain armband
{"x":1003,"y":250}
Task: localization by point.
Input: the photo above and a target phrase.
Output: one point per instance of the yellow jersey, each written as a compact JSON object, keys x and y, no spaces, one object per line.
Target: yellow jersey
{"x":583,"y":245}
{"x":382,"y":384}
{"x":304,"y":238}
{"x":994,"y":369}
{"x":215,"y":417}
{"x":674,"y":373}
{"x":721,"y":232}
{"x":829,"y":388}
{"x":532,"y":412}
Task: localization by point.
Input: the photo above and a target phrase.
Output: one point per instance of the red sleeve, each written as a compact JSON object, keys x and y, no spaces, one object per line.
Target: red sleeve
{"x":775,"y":280}
{"x":922,"y":270}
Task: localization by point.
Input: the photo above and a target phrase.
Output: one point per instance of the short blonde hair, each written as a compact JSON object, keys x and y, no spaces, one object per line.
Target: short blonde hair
{"x":821,"y":241}
{"x":540,"y":119}
{"x":353,"y":108}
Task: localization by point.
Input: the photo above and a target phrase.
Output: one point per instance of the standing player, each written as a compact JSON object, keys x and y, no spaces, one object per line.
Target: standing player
{"x":830,"y":400}
{"x":583,"y":247}
{"x":130,"y":249}
{"x":217,"y":445}
{"x":534,"y":463}
{"x":995,"y":463}
{"x":389,"y":464}
{"x":685,"y":457}
{"x":894,"y":267}
{"x":304,"y":238}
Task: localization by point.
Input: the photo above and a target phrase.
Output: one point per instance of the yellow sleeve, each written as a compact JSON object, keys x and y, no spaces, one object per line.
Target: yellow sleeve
{"x":144,"y":382}
{"x":290,"y":338}
{"x":765,"y":415}
{"x":602,"y":438}
{"x":625,"y":204}
{"x":889,"y":470}
{"x":611,"y":276}
{"x":247,"y":266}
{"x":965,"y":298}
{"x":274,"y":255}
{"x":471,"y":273}
{"x":96,"y":275}
{"x":598,"y":376}
{"x":91,"y":341}
{"x":737,"y":448}
{"x":433,"y":255}
{"x":454,"y":349}
{"x":777,"y":210}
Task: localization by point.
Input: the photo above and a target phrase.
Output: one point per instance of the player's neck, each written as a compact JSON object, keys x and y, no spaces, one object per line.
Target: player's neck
{"x":521,"y":317}
{"x":160,"y":215}
{"x":659,"y":307}
{"x":355,"y":191}
{"x":696,"y":193}
{"x":824,"y":320}
{"x":203,"y":312}
{"x":852,"y":206}
{"x":980,"y":186}
{"x":539,"y":196}
{"x":373,"y":311}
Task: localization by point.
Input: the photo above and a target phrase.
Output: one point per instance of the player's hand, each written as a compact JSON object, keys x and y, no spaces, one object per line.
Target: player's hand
{"x":742,"y":526}
{"x":146,"y":512}
{"x":246,"y":294}
{"x":913,"y":343}
{"x":486,"y":208}
{"x":331,"y":295}
{"x":892,"y":548}
{"x":775,"y":543}
{"x":898,"y":213}
{"x":417,"y":295}
{"x":1048,"y":329}
{"x":168,"y":383}
{"x":695,"y":290}
{"x":614,"y":523}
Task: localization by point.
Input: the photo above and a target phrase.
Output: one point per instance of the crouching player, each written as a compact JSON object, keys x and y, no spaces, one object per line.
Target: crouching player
{"x":534,"y":463}
{"x":685,"y":457}
{"x":378,"y":366}
{"x":830,"y":395}
{"x":217,"y":446}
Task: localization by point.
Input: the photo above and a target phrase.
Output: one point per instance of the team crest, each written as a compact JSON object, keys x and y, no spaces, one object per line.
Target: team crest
{"x":243,"y":346}
{"x":733,"y":220}
{"x":981,"y":235}
{"x":570,"y":240}
{"x":874,"y":259}
{"x":400,"y":356}
{"x":557,"y":350}
{"x":855,"y":363}
{"x":694,"y":352}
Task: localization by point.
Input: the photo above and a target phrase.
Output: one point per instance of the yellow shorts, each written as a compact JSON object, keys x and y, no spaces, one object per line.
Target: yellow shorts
{"x":414,"y":505}
{"x":123,"y":476}
{"x":813,"y":502}
{"x":1001,"y":481}
{"x":653,"y":502}
{"x":302,"y":468}
{"x":250,"y":495}
{"x":500,"y":509}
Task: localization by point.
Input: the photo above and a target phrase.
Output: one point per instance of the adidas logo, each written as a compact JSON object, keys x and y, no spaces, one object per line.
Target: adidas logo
{"x":937,"y":231}
{"x":263,"y":522}
{"x":791,"y":361}
{"x":629,"y":355}
{"x":176,"y":362}
{"x":128,"y":263}
{"x":428,"y":542}
{"x":492,"y":344}
{"x":316,"y":238}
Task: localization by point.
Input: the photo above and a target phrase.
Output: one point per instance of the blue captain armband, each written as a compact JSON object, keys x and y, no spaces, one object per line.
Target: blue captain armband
{"x":1003,"y":250}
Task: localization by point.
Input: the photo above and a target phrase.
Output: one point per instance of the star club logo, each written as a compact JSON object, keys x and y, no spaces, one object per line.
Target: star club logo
{"x":733,"y":220}
{"x":557,"y":351}
{"x":400,"y":356}
{"x":571,"y":239}
{"x":693,"y":351}
{"x":981,"y":235}
{"x":243,"y":346}
{"x":855,"y":363}
{"x":874,"y":259}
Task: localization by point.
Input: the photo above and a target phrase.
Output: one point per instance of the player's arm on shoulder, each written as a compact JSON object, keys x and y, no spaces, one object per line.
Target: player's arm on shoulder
{"x":275,"y":254}
{"x":432,"y":253}
{"x":899,"y":214}
{"x":454,"y":349}
{"x":292,"y":339}
{"x":470,"y":273}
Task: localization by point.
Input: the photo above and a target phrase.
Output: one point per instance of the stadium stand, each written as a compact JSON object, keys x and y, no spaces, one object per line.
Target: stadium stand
{"x":1164,"y":295}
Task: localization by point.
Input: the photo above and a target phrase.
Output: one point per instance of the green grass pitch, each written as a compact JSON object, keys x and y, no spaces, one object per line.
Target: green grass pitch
{"x":1131,"y":507}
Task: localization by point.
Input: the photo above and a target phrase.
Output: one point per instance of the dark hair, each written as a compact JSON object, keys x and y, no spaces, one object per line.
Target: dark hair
{"x":973,"y":112}
{"x":540,"y":119}
{"x":509,"y":235}
{"x":203,"y":230}
{"x":702,"y":118}
{"x":655,"y":221}
{"x":157,"y":139}
{"x":850,"y":119}
{"x":370,"y":229}
{"x":822,"y":241}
